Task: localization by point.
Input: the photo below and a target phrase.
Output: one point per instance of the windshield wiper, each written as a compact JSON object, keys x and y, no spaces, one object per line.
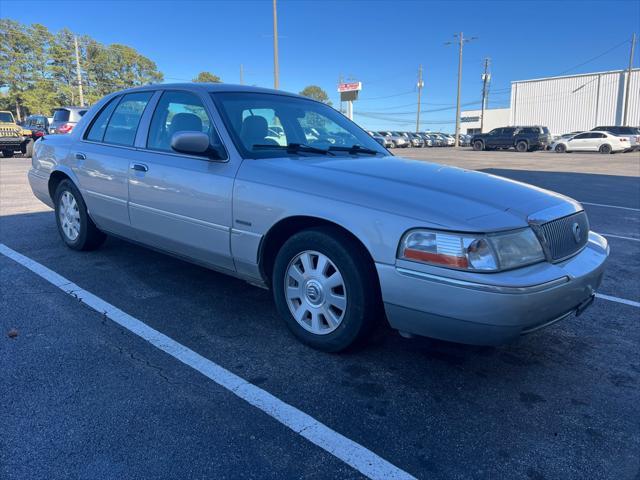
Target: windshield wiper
{"x":292,"y":148}
{"x":353,"y":149}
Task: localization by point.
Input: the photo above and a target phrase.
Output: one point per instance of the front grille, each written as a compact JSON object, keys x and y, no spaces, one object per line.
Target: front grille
{"x":8,"y":132}
{"x":564,"y":236}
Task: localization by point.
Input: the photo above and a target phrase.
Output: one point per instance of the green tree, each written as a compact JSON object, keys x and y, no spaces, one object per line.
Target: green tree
{"x":317,"y":93}
{"x":207,"y":77}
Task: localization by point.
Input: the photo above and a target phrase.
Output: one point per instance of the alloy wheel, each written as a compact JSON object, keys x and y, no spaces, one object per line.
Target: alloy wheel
{"x":69,"y":215}
{"x":315,"y":292}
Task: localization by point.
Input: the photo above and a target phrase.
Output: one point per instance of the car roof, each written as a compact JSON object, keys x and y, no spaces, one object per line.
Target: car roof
{"x":210,"y":87}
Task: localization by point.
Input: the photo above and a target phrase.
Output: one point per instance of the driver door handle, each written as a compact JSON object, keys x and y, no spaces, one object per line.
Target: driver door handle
{"x":80,"y":156}
{"x":139,"y":167}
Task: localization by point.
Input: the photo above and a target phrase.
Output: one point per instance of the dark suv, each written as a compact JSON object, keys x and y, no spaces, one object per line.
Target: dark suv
{"x":523,"y":139}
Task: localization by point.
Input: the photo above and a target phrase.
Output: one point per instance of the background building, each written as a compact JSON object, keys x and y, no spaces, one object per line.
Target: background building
{"x":576,"y":102}
{"x":493,"y":118}
{"x":565,"y":104}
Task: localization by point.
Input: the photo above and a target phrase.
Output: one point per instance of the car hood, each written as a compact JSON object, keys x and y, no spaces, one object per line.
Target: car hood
{"x":436,"y":195}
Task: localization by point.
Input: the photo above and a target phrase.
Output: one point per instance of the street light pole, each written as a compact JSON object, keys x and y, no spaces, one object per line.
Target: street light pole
{"x":276,"y":73}
{"x":420,"y":85}
{"x":628,"y":89}
{"x":461,"y":42}
{"x":485,"y":81}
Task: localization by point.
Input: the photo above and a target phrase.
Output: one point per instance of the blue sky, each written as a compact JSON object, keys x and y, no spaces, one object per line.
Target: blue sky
{"x":380,"y":43}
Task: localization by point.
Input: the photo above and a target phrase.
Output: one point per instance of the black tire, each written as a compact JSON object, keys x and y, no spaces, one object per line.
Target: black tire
{"x":606,"y":149}
{"x":522,"y":146}
{"x":7,"y":153}
{"x":478,"y":145}
{"x":89,"y":237}
{"x":561,"y":148}
{"x":360,"y":284}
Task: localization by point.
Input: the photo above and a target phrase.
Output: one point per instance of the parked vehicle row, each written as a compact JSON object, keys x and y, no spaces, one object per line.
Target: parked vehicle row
{"x":603,"y":139}
{"x":13,"y":137}
{"x":403,"y":139}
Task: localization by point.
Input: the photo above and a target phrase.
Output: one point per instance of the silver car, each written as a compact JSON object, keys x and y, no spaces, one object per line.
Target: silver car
{"x":343,"y":233}
{"x":65,"y":118}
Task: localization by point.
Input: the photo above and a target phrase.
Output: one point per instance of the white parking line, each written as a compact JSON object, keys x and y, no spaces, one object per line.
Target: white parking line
{"x":350,"y":452}
{"x":611,"y":206}
{"x":618,"y":300}
{"x":620,"y":236}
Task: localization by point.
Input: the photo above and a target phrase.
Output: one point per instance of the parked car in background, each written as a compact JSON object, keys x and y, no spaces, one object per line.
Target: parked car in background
{"x":438,"y":140}
{"x":378,"y":138}
{"x":631,"y":133}
{"x":428,"y":141}
{"x":38,"y":124}
{"x":523,"y":139}
{"x":416,"y":140}
{"x":465,"y":140}
{"x":398,"y":140}
{"x":345,"y":236}
{"x":603,"y":142}
{"x":404,"y":135}
{"x":388,"y":142}
{"x":13,"y":137}
{"x":65,"y":118}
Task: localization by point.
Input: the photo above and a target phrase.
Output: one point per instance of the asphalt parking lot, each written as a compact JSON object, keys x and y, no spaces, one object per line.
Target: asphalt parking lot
{"x":84,"y":397}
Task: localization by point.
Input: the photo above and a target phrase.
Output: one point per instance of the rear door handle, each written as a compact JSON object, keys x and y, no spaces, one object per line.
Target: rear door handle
{"x":80,"y":156}
{"x":139,"y":167}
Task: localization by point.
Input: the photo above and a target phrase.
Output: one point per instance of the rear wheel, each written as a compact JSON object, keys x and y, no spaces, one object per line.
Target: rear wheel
{"x":478,"y":145}
{"x":561,"y":148}
{"x":325,"y":288}
{"x":522,"y":147}
{"x":606,"y":148}
{"x":7,"y":153}
{"x":75,"y":227}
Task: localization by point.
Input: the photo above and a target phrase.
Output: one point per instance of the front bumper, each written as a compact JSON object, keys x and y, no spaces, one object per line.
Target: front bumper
{"x":481,"y":313}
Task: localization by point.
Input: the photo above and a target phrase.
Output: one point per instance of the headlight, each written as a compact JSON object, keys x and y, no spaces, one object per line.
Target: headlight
{"x":475,"y":252}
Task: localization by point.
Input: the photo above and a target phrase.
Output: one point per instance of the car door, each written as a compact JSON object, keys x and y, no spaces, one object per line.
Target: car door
{"x":596,"y":140}
{"x":179,"y":202}
{"x":493,"y":138}
{"x":579,"y":143}
{"x":101,"y":160}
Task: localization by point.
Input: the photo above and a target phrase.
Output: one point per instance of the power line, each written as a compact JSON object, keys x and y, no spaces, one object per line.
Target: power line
{"x":594,"y":58}
{"x":386,"y":96}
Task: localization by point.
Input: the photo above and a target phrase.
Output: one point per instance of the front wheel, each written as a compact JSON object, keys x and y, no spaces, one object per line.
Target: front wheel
{"x":7,"y":153}
{"x":478,"y":145}
{"x":606,"y":149}
{"x":75,"y":227}
{"x":561,"y":148}
{"x":325,"y":287}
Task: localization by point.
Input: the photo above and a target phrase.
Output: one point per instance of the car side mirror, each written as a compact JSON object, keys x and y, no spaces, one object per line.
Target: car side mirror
{"x":195,"y":143}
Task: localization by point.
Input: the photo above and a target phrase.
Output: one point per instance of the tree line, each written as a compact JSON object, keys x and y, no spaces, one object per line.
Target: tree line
{"x":38,"y":68}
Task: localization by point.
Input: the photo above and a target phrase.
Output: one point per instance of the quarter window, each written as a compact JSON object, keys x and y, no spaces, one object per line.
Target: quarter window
{"x":178,"y":112}
{"x":123,"y":124}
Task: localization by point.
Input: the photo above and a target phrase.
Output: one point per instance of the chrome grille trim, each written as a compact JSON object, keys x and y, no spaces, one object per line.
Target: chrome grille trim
{"x":558,"y":239}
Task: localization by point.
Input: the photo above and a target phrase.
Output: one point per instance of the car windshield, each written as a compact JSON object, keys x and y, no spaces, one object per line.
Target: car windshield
{"x":6,"y":117}
{"x":305,"y":127}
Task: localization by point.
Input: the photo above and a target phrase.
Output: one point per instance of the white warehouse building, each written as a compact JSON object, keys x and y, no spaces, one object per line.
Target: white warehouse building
{"x":565,"y":104}
{"x":576,"y":102}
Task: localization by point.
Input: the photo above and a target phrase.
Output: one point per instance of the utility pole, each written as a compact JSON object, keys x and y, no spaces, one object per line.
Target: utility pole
{"x":420,"y":85}
{"x":78,"y":73}
{"x":340,"y":82}
{"x":461,"y":41}
{"x":276,"y":68}
{"x":241,"y":75}
{"x":628,"y":89}
{"x":486,"y":78}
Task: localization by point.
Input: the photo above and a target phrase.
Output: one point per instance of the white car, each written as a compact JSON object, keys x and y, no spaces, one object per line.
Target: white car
{"x":603,"y":142}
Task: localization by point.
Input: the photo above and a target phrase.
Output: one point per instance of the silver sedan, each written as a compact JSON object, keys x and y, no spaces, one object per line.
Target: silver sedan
{"x":343,"y":233}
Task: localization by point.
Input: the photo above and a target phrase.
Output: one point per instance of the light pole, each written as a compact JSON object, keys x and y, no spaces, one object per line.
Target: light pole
{"x":420,"y":85}
{"x":461,"y":41}
{"x":628,"y":89}
{"x":486,"y":77}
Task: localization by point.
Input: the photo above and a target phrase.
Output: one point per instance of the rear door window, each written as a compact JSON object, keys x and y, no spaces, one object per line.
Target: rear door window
{"x":124,"y":121}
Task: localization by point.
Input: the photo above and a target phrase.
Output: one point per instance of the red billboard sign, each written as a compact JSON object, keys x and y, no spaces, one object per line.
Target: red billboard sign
{"x":349,"y":87}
